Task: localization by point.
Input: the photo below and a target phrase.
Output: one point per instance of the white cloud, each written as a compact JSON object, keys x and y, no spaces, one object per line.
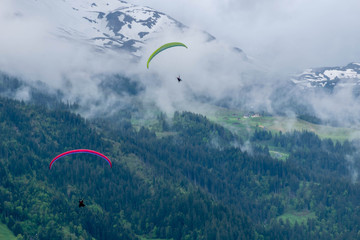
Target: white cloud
{"x":32,"y":51}
{"x":282,"y":34}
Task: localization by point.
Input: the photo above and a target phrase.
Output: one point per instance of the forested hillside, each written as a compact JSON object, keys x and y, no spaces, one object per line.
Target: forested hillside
{"x":193,"y":179}
{"x":138,"y":196}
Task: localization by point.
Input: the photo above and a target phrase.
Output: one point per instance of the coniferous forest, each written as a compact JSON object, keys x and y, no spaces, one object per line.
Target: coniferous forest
{"x":190,"y":179}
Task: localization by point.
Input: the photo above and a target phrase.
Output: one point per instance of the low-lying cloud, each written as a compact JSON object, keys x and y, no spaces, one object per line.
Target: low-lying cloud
{"x":212,"y":71}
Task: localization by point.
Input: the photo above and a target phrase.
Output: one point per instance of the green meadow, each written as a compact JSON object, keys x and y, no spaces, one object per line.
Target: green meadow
{"x":5,"y":233}
{"x":295,"y":216}
{"x":245,"y":125}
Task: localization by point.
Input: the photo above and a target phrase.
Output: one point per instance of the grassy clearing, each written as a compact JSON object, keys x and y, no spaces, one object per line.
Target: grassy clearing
{"x":279,"y":155}
{"x":5,"y":233}
{"x":138,"y":123}
{"x":165,"y":134}
{"x":299,"y":217}
{"x":138,"y":167}
{"x":144,"y":238}
{"x":246,"y":125}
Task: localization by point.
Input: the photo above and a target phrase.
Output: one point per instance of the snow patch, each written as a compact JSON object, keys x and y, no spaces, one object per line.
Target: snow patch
{"x":348,"y":73}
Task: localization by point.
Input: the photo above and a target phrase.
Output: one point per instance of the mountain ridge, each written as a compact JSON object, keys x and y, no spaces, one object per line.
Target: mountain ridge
{"x":109,"y":25}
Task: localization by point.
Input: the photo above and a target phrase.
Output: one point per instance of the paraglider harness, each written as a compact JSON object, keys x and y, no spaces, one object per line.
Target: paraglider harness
{"x":81,"y":203}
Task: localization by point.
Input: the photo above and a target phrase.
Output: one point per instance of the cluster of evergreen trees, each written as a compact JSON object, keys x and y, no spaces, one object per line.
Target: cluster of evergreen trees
{"x":196,"y":183}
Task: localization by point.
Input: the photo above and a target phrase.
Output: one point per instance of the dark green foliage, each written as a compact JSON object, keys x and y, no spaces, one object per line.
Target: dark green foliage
{"x":40,"y":202}
{"x":195,"y":184}
{"x":120,"y":85}
{"x":197,"y":130}
{"x":310,"y":118}
{"x":261,"y":135}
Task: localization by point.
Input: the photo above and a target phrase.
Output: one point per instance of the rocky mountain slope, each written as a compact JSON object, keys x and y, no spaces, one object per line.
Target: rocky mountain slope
{"x":106,"y":24}
{"x":329,"y":77}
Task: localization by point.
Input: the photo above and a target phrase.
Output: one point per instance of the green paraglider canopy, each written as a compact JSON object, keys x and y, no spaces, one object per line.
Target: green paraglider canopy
{"x":164,"y":47}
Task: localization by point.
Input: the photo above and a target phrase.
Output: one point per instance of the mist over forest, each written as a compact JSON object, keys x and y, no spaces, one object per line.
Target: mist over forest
{"x":247,"y":129}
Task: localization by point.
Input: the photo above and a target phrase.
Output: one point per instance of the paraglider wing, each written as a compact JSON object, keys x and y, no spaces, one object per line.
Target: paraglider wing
{"x":164,"y":47}
{"x":80,"y":151}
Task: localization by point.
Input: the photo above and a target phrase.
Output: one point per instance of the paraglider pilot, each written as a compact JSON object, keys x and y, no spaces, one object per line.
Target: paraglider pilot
{"x":179,"y":79}
{"x":81,"y":203}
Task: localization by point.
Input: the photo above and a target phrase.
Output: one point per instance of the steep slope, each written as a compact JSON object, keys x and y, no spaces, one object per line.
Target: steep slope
{"x":192,"y":182}
{"x":137,"y":197}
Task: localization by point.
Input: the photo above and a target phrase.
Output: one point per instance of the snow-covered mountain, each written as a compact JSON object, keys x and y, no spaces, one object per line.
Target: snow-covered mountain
{"x":118,"y":24}
{"x":111,"y":24}
{"x":329,"y":77}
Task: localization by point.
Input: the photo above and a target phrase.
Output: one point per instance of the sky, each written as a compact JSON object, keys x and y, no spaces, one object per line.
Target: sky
{"x":282,"y":34}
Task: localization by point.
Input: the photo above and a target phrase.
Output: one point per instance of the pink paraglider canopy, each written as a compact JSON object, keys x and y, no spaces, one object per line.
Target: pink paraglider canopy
{"x":79,"y":151}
